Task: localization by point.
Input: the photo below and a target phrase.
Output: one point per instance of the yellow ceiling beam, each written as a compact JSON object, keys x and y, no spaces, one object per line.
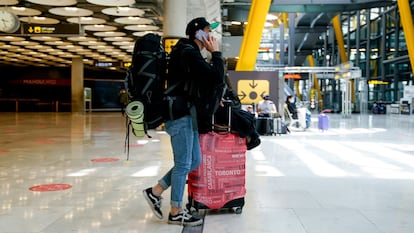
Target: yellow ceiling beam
{"x":407,"y":23}
{"x":339,"y":38}
{"x":253,"y":34}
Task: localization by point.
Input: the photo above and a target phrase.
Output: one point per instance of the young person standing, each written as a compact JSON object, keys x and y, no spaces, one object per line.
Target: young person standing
{"x":186,"y":62}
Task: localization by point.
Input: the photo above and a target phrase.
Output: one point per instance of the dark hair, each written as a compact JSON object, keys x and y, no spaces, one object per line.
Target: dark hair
{"x":288,"y":97}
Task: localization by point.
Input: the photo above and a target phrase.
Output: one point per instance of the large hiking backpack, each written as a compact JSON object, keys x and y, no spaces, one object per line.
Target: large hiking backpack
{"x":145,"y":83}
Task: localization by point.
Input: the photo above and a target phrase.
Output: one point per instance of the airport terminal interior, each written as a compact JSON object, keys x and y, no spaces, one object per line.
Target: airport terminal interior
{"x":64,"y":162}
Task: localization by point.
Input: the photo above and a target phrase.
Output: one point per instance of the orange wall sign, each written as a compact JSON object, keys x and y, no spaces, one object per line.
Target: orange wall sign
{"x":292,"y":76}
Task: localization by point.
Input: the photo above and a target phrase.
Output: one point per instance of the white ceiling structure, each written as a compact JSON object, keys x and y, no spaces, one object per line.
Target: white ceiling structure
{"x":107,"y":30}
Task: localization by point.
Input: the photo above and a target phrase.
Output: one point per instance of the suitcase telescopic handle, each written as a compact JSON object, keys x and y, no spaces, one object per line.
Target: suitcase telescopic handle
{"x":228,"y":103}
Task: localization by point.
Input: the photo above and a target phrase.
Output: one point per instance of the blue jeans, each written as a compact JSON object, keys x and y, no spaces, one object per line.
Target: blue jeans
{"x":187,"y":156}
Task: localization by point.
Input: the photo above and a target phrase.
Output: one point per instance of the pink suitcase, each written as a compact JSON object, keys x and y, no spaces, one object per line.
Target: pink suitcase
{"x":219,"y":181}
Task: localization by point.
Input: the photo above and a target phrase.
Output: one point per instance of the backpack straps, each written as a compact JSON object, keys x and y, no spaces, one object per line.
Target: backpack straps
{"x":170,"y":99}
{"x":153,"y":56}
{"x":126,"y":144}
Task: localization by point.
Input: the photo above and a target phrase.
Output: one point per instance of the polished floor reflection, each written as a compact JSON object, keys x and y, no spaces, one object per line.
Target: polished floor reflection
{"x":63,"y":172}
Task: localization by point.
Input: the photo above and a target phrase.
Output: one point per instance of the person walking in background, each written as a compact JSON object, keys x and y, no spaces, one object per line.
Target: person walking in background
{"x":123,"y":100}
{"x":186,"y":61}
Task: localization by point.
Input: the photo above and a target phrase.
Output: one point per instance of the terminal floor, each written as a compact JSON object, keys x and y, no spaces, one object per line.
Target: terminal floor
{"x":357,"y":177}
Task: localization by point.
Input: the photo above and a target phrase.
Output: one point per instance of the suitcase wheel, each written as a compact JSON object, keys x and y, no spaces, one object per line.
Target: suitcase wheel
{"x":191,"y":209}
{"x":237,"y":210}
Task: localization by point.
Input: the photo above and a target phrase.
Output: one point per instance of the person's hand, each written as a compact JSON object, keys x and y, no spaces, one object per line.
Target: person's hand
{"x":210,"y":43}
{"x":221,"y":103}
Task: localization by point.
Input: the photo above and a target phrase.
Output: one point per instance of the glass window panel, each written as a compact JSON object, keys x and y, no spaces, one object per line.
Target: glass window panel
{"x":402,"y":46}
{"x":374,"y":13}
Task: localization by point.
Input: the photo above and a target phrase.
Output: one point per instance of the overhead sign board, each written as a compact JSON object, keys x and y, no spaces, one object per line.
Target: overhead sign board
{"x":378,"y":82}
{"x":40,"y":29}
{"x":106,"y":64}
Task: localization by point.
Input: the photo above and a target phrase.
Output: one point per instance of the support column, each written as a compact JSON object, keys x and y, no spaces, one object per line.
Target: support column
{"x":292,"y":49}
{"x":363,"y":92}
{"x":175,"y":18}
{"x":358,"y":39}
{"x":348,"y":38}
{"x":316,"y":83}
{"x":282,"y":44}
{"x":395,"y":54}
{"x":77,"y":85}
{"x":368,"y":45}
{"x":291,"y":52}
{"x":382,"y":46}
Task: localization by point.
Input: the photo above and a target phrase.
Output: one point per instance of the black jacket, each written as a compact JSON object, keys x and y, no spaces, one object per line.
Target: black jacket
{"x":200,"y":83}
{"x":187,"y":63}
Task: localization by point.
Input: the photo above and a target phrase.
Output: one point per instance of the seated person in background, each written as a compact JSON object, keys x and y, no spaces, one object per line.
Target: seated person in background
{"x":291,"y":106}
{"x":266,"y":107}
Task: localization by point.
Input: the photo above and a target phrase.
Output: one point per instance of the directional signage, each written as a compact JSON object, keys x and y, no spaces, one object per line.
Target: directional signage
{"x":251,"y":85}
{"x":169,"y":43}
{"x":250,"y":91}
{"x":38,"y":29}
{"x":125,"y":64}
